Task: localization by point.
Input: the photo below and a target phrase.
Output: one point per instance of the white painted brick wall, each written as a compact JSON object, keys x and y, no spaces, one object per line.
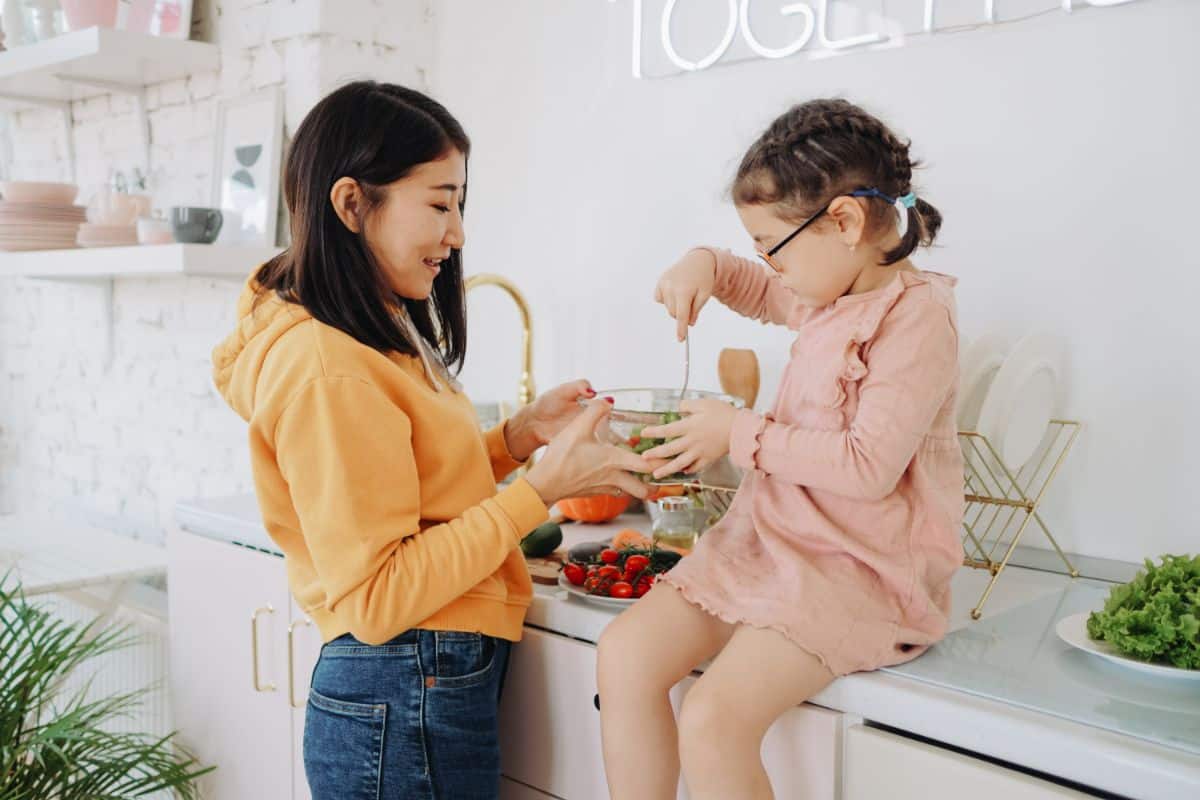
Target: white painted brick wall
{"x":119,"y":447}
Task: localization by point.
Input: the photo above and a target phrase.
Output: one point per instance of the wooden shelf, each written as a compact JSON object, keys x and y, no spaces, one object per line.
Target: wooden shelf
{"x":201,"y":260}
{"x":97,"y":61}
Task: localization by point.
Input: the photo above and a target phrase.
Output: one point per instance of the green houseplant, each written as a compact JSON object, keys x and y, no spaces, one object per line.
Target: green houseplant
{"x":56,"y":745}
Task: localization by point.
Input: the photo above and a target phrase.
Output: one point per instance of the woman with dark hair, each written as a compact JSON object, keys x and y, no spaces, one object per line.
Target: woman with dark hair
{"x":371,"y":473}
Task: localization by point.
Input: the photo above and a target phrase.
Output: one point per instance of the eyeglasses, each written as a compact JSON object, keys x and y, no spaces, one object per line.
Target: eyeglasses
{"x":768,"y":255}
{"x":867,"y":192}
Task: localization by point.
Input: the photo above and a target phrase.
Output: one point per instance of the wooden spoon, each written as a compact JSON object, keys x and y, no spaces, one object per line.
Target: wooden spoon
{"x":738,"y":372}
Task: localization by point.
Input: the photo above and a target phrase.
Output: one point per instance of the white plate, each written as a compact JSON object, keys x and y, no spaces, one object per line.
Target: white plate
{"x":977,"y":367}
{"x":1023,"y":398}
{"x":1073,"y":631}
{"x":578,"y":591}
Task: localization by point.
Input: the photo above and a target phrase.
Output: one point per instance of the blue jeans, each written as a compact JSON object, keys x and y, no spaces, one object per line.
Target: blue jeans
{"x":414,"y":718}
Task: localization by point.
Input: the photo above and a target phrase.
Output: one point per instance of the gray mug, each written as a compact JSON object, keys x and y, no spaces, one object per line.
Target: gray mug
{"x":195,"y":225}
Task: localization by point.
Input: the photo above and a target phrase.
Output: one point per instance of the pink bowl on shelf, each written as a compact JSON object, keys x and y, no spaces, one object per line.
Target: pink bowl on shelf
{"x":51,"y":194}
{"x":88,"y":13}
{"x":154,"y":230}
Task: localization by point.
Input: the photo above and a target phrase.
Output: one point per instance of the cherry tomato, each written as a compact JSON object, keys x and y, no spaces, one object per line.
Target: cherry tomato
{"x":591,"y":583}
{"x":634,"y":441}
{"x":609,"y":556}
{"x":636,"y":563}
{"x":609,"y":571}
{"x":575,"y":573}
{"x":620,"y":589}
{"x":641,"y":588}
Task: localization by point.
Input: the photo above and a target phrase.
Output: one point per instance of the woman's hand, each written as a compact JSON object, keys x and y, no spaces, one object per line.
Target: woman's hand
{"x":536,"y":424}
{"x":686,"y":287}
{"x":697,"y":440}
{"x":576,"y":463}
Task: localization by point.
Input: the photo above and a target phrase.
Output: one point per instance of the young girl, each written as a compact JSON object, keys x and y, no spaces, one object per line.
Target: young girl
{"x":371,"y":473}
{"x":837,"y":553}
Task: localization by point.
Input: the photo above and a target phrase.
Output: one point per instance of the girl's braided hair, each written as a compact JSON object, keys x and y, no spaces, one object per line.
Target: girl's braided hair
{"x":818,"y":150}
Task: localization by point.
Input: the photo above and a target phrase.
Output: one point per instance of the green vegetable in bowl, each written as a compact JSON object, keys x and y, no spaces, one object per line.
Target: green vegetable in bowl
{"x":1156,"y":616}
{"x":640,"y":444}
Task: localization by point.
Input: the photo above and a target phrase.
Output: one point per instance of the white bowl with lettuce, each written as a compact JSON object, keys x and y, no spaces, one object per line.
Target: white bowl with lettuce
{"x":1151,"y":624}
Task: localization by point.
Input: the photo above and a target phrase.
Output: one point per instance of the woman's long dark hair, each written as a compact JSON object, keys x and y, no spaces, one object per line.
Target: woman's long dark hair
{"x":375,"y":133}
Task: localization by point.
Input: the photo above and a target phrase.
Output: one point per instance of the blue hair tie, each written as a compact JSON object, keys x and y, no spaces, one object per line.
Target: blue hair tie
{"x":902,"y":204}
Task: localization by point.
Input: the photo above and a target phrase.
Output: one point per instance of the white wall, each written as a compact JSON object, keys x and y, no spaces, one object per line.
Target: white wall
{"x":119,"y":447}
{"x":1062,"y":151}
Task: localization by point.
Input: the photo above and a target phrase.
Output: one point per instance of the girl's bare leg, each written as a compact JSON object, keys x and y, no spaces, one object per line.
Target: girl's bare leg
{"x":757,"y":677}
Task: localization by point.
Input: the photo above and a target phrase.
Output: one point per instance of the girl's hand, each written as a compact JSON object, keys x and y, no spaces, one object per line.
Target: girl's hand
{"x":576,"y":463}
{"x":686,"y":287}
{"x":536,"y":424}
{"x":697,"y":440}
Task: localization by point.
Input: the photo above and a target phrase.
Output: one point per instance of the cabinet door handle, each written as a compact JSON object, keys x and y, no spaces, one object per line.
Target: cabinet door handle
{"x":292,"y":662}
{"x":258,"y":685}
{"x":596,"y":701}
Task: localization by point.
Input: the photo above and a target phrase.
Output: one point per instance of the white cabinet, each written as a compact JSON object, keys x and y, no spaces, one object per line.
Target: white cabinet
{"x":550,"y":729}
{"x":549,"y":725}
{"x":881,"y":764}
{"x":233,"y":678}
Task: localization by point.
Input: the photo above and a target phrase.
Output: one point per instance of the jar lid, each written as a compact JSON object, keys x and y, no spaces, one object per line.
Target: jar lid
{"x":674,"y":504}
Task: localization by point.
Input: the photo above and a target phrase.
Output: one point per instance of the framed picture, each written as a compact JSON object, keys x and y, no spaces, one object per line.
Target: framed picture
{"x":246,"y":167}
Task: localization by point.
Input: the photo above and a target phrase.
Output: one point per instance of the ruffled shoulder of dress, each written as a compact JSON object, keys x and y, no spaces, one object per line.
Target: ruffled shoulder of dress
{"x":869,"y":312}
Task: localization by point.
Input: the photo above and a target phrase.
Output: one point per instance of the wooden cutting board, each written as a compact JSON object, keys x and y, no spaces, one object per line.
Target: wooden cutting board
{"x":545,"y":570}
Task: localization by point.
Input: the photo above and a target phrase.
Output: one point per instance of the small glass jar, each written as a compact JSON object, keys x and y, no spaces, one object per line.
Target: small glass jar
{"x":675,"y":526}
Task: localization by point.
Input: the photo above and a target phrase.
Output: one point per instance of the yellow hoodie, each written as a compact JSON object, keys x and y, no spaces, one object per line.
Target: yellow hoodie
{"x":378,"y":488}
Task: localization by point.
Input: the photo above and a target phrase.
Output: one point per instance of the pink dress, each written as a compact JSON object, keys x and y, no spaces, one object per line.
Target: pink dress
{"x":845,"y":532}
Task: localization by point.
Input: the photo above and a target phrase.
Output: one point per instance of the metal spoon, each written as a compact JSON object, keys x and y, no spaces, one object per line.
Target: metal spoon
{"x":687,"y":365}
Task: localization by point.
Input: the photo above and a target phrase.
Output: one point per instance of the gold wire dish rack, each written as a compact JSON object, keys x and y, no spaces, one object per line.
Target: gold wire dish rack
{"x":1002,"y":502}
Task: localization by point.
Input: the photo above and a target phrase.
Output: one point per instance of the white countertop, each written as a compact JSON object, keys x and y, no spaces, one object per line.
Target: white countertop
{"x":50,"y":556}
{"x":964,"y":717}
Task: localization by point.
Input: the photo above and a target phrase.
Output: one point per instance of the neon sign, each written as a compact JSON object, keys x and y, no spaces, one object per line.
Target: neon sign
{"x":815,"y":26}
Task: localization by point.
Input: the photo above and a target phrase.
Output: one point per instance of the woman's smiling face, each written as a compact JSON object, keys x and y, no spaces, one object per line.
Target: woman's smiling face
{"x":418,"y":223}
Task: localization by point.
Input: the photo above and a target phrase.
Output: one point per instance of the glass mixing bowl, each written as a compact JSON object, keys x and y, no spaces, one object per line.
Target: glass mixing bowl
{"x":635,"y":409}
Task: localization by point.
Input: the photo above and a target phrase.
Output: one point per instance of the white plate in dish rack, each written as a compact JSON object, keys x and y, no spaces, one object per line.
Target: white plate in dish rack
{"x":1073,"y":631}
{"x":978,"y":365}
{"x":1023,"y":398}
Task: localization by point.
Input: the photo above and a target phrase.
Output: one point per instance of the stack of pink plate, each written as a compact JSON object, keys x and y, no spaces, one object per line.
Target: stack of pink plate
{"x":93,"y":235}
{"x":39,"y":226}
